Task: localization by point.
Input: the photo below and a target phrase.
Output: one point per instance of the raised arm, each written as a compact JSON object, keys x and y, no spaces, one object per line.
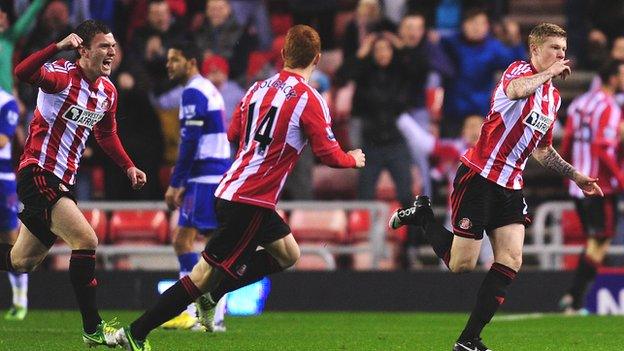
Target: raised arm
{"x":523,"y":87}
{"x":25,"y":20}
{"x":50,"y":78}
{"x":548,"y":157}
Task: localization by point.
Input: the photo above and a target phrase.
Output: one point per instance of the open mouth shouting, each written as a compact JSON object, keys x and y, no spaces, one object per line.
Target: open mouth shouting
{"x":106,"y":63}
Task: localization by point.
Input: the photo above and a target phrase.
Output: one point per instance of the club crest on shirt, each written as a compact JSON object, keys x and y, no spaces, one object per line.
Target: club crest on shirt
{"x":241,"y":270}
{"x":465,"y":224}
{"x":82,"y":116}
{"x":105,"y":104}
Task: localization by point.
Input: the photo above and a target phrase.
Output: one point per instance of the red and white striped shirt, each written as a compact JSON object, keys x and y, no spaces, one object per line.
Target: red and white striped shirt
{"x":591,"y":139}
{"x":512,"y":129}
{"x":271,"y":125}
{"x":69,"y":106}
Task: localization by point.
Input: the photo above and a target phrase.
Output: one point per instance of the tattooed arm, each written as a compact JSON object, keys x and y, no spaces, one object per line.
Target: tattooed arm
{"x":548,"y":157}
{"x":524,"y":87}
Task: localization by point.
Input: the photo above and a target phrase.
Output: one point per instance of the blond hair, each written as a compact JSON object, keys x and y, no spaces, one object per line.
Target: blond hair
{"x":542,"y":31}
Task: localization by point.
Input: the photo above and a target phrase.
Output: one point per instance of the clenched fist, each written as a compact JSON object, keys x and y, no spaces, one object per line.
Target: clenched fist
{"x":72,"y":41}
{"x":360,"y":158}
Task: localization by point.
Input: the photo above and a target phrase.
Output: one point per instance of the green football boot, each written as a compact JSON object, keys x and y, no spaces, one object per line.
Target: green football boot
{"x":104,"y":335}
{"x":16,"y":313}
{"x":128,"y":342}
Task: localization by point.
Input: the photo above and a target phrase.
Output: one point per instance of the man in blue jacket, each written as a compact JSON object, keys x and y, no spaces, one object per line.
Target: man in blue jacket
{"x":477,"y":56}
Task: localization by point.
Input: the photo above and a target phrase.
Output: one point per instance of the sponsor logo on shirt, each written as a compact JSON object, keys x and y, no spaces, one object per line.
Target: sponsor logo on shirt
{"x":538,"y":121}
{"x":82,"y":116}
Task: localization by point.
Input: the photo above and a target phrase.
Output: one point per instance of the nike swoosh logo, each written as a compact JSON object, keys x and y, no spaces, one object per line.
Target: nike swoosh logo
{"x":467,"y":348}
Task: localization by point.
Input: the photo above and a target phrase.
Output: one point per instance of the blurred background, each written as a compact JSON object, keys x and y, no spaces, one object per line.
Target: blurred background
{"x":409,"y":81}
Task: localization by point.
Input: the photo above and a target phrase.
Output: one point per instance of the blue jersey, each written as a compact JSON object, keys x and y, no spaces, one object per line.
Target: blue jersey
{"x":8,"y":121}
{"x":204,"y":154}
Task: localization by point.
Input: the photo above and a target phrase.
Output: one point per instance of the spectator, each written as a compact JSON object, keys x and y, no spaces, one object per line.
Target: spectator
{"x":255,"y":13}
{"x":617,"y":50}
{"x":319,"y":14}
{"x":216,"y":69}
{"x":103,"y":10}
{"x":151,"y":42}
{"x":476,"y":55}
{"x":380,"y":97}
{"x":425,"y":62}
{"x":140,"y":131}
{"x":368,"y":19}
{"x":9,"y":35}
{"x":221,"y":35}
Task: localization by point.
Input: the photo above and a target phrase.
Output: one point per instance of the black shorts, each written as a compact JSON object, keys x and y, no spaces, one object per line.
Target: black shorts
{"x":241,"y":229}
{"x":38,"y":190}
{"x":479,"y":205}
{"x":598,"y":215}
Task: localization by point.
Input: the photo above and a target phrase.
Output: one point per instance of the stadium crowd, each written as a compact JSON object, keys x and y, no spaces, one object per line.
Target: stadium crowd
{"x":391,"y":71}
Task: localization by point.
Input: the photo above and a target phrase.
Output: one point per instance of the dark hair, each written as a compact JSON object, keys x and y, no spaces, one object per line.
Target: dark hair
{"x":609,"y":69}
{"x":88,"y":29}
{"x":301,"y":46}
{"x":188,"y":49}
{"x":155,"y":2}
{"x":473,"y":12}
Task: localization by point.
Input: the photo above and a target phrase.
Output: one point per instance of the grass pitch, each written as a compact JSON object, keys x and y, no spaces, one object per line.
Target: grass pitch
{"x":60,"y":330}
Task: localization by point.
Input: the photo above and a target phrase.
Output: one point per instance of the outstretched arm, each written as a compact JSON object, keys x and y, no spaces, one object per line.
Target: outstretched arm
{"x":25,"y":20}
{"x":548,"y":157}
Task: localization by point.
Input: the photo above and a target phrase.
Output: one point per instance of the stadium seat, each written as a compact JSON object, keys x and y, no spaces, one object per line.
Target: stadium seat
{"x":332,"y":183}
{"x":386,"y":190}
{"x":97,"y":182}
{"x":359,"y":225}
{"x":280,"y":23}
{"x":572,"y":235}
{"x":257,"y":60}
{"x":319,"y":225}
{"x":139,"y":227}
{"x":99,"y":222}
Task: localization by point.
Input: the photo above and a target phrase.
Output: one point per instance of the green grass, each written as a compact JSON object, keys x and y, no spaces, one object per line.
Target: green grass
{"x":60,"y":330}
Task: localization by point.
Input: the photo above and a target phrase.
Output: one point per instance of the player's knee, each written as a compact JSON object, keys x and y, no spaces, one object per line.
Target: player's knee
{"x":84,"y":241}
{"x":25,"y":264}
{"x":513,"y":260}
{"x":464,"y":265}
{"x":182,"y":245}
{"x":292,"y":257}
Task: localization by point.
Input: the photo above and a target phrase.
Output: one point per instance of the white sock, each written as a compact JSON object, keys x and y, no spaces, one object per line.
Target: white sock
{"x":19,"y":285}
{"x":190,"y":309}
{"x":220,"y":311}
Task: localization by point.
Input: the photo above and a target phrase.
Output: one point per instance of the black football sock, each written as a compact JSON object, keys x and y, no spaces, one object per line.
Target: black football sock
{"x":490,"y":296}
{"x":5,"y":258}
{"x":82,"y":276}
{"x":261,"y":264}
{"x":440,"y":239}
{"x":585,"y":274}
{"x":171,"y":303}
